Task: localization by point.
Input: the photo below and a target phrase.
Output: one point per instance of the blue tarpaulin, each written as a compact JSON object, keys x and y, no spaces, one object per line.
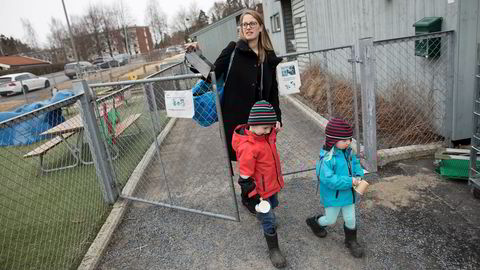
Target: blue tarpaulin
{"x":28,"y":131}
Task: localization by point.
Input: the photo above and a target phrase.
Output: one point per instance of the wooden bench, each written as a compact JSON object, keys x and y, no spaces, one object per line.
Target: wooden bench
{"x":44,"y":148}
{"x":125,"y":123}
{"x":121,"y":127}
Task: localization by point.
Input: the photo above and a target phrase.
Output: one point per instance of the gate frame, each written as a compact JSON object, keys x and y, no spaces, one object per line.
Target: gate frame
{"x":130,"y":186}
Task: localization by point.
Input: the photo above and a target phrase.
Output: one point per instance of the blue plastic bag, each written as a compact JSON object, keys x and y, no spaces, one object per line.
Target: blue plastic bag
{"x":204,"y":102}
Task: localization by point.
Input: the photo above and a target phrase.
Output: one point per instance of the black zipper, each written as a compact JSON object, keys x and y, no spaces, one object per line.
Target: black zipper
{"x":336,"y":194}
{"x":349,"y":165}
{"x":273,"y":154}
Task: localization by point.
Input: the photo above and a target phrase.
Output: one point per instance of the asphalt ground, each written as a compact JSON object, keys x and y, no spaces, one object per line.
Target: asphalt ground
{"x":410,"y":218}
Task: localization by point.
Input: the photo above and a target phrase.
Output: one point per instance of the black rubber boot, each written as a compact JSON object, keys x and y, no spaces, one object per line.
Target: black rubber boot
{"x":351,"y":242}
{"x":276,"y":256}
{"x":317,"y":229}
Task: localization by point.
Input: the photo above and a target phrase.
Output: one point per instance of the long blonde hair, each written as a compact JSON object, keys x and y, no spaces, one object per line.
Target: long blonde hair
{"x":264,"y":42}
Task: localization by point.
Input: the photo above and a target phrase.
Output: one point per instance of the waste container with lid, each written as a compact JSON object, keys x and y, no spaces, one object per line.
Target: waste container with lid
{"x":428,"y":47}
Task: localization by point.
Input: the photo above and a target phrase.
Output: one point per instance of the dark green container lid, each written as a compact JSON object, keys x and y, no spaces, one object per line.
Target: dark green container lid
{"x":432,"y":24}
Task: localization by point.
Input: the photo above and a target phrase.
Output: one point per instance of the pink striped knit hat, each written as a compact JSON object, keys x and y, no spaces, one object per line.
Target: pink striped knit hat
{"x":337,"y":129}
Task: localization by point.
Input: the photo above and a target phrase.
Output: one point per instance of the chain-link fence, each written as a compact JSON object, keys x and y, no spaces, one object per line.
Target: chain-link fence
{"x":172,"y":162}
{"x":403,"y":96}
{"x":53,"y":193}
{"x":413,"y":85}
{"x":328,"y":87}
{"x":51,"y":206}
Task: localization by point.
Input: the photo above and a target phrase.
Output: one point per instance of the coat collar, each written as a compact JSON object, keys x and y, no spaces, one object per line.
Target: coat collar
{"x":245,"y":134}
{"x":272,"y":58}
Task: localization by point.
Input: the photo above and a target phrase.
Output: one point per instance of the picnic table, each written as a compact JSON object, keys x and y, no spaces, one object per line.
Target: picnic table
{"x":73,"y":126}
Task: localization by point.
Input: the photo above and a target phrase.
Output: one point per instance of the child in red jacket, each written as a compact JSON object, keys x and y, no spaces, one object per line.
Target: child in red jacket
{"x":259,"y":167}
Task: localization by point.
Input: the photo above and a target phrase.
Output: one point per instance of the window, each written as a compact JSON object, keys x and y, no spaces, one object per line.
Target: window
{"x":275,"y":22}
{"x":21,"y":78}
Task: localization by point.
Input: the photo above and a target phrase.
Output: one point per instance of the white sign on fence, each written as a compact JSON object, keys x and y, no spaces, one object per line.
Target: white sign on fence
{"x":288,"y":78}
{"x":179,"y":104}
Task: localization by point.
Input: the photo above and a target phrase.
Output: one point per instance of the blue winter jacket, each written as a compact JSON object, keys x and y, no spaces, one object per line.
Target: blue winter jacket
{"x":335,"y":178}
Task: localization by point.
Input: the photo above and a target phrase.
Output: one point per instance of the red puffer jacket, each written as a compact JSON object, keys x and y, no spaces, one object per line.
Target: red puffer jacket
{"x":258,"y":158}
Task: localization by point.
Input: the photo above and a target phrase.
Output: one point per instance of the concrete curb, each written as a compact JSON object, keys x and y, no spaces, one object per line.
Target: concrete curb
{"x":97,"y":248}
{"x":384,"y":156}
{"x":321,"y":121}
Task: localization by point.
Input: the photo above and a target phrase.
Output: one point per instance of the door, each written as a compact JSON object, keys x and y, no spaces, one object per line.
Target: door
{"x":23,"y":80}
{"x":288,"y":26}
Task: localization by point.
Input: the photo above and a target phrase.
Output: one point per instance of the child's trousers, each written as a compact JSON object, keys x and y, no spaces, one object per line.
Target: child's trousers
{"x":268,"y":220}
{"x":331,"y":214}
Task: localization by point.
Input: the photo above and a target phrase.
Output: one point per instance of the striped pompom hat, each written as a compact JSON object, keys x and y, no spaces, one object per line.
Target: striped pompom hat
{"x":262,"y":113}
{"x":337,"y":130}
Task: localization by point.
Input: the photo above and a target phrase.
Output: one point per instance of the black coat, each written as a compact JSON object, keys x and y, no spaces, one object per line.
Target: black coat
{"x":241,"y":86}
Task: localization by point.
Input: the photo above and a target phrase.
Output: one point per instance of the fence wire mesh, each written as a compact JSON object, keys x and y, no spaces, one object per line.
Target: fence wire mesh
{"x":328,"y":85}
{"x":412,"y":90}
{"x":173,"y":162}
{"x":327,"y":81}
{"x":51,"y":206}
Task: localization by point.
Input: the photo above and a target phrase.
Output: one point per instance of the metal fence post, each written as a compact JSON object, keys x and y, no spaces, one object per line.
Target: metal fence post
{"x":327,"y":85}
{"x":367,"y":78}
{"x":353,"y":61}
{"x":151,"y":102}
{"x":450,"y":85}
{"x":98,"y":149}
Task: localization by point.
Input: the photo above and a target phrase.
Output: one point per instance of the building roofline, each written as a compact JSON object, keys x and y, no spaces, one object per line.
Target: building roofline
{"x":210,"y":26}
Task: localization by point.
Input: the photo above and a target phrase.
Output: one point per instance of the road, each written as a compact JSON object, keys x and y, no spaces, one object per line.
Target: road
{"x":62,"y":82}
{"x":55,"y":78}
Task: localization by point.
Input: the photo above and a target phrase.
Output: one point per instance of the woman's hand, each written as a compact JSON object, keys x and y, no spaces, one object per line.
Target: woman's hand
{"x":191,"y":47}
{"x":278,"y":127}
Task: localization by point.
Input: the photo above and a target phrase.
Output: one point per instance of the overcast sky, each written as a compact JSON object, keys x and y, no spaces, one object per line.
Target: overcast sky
{"x":39,"y":13}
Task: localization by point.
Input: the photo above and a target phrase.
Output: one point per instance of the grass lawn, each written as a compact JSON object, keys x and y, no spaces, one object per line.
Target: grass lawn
{"x":49,"y":220}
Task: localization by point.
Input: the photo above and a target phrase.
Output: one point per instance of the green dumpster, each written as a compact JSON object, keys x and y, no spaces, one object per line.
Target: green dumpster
{"x":428,"y":47}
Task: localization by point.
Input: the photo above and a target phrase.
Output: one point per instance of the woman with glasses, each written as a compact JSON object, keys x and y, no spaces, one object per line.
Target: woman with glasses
{"x":254,"y":61}
{"x":251,"y":78}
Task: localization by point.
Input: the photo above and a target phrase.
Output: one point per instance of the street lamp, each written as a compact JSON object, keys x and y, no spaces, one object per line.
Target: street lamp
{"x":77,"y":69}
{"x":187,"y":20}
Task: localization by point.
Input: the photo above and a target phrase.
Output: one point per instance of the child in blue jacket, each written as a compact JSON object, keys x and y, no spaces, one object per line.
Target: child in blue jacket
{"x":338,"y":171}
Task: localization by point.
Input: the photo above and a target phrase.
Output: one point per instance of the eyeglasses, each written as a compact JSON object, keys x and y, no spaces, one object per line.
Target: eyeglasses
{"x":251,"y":24}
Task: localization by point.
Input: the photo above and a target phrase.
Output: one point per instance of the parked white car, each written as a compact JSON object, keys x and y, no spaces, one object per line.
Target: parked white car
{"x":13,"y":83}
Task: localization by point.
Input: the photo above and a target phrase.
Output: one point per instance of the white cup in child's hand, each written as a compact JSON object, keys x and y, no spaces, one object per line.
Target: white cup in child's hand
{"x":263,"y":207}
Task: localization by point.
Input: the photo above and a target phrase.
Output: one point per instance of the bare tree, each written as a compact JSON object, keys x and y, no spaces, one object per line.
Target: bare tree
{"x":121,"y":11}
{"x":193,"y":11}
{"x":156,"y":19}
{"x":56,"y":38}
{"x":30,"y":33}
{"x":201,"y":21}
{"x":180,"y":21}
{"x":251,"y":4}
{"x":83,"y":39}
{"x":231,"y":6}
{"x":93,"y":21}
{"x":109,"y":25}
{"x":216,"y":11}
